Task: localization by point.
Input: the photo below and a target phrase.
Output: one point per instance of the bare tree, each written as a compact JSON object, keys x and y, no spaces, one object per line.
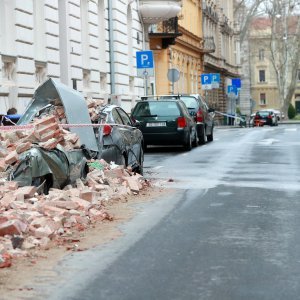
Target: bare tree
{"x":285,"y":46}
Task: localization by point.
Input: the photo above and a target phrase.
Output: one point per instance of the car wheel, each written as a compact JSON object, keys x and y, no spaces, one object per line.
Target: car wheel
{"x":203,"y":138}
{"x":210,"y":137}
{"x":195,"y":141}
{"x":140,"y":168}
{"x":188,"y":144}
{"x":123,"y":161}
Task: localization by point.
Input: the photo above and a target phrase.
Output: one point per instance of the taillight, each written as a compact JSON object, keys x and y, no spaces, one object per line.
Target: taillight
{"x":256,"y":117}
{"x":107,"y":129}
{"x":199,"y":116}
{"x":270,"y":117}
{"x":181,"y":122}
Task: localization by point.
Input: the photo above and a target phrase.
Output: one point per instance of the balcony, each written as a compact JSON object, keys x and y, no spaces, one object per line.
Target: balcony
{"x":155,"y":11}
{"x":167,"y":31}
{"x":225,"y":27}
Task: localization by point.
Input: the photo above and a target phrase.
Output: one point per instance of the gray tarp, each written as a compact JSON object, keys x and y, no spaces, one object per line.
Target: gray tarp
{"x":74,"y":105}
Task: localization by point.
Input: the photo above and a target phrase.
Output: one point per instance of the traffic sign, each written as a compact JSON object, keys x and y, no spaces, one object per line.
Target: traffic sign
{"x":215,"y":80}
{"x":236,"y":82}
{"x":206,"y":81}
{"x":232,"y":89}
{"x":144,"y":59}
{"x":173,"y":75}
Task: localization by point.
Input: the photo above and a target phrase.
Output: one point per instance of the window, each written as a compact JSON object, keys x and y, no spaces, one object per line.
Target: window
{"x":261,"y":54}
{"x":262,"y":99}
{"x":124,"y":116}
{"x":262,"y":76}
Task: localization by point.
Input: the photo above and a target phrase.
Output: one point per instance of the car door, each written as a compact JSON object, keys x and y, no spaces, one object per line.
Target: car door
{"x":134,"y":144}
{"x":207,"y":117}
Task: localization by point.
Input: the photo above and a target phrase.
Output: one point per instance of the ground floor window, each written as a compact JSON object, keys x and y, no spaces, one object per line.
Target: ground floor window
{"x":262,"y":99}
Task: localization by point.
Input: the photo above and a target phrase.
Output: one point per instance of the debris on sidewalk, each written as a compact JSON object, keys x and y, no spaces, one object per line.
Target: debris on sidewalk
{"x":29,"y":220}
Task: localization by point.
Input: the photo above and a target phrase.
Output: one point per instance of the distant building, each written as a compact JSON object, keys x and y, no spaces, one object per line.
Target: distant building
{"x":264,"y":86}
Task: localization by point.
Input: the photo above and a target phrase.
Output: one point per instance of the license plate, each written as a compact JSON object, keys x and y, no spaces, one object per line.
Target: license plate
{"x":157,"y":124}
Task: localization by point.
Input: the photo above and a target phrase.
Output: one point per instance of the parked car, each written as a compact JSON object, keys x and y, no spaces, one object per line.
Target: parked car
{"x":119,"y":142}
{"x":277,"y":113}
{"x":165,"y":122}
{"x":203,"y":116}
{"x":122,"y":142}
{"x":265,"y":117}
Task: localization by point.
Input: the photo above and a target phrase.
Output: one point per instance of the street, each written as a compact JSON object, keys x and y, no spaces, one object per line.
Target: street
{"x":227,"y":228}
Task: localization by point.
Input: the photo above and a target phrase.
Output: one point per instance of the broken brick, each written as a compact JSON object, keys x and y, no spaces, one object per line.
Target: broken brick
{"x":27,"y":191}
{"x":11,"y":157}
{"x":23,"y":147}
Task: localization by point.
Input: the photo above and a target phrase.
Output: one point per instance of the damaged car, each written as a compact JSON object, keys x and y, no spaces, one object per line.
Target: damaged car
{"x":62,"y":139}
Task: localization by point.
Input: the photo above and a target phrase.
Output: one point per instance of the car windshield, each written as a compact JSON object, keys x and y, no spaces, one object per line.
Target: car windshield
{"x":190,"y":102}
{"x":157,"y":108}
{"x":263,"y":113}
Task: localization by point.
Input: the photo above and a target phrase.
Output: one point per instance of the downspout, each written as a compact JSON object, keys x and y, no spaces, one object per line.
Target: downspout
{"x":111,"y":49}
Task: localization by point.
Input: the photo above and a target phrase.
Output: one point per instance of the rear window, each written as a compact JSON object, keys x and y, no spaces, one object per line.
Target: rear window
{"x":263,"y":113}
{"x":190,"y":102}
{"x":156,"y":108}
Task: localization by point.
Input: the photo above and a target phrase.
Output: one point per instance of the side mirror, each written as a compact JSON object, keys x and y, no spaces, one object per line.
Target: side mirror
{"x":210,"y":110}
{"x":136,"y":123}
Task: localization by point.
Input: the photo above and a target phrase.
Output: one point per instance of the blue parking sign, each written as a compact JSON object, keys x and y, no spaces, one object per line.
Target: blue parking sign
{"x":144,"y":59}
{"x":215,"y":80}
{"x":205,"y":79}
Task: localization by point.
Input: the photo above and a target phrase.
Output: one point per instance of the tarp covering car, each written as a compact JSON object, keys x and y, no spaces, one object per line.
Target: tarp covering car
{"x":74,"y":106}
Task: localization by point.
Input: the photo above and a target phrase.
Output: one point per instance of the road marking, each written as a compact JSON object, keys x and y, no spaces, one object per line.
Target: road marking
{"x":252,"y":206}
{"x":290,"y":129}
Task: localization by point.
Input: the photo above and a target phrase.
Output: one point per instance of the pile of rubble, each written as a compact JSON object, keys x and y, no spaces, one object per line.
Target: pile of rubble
{"x":29,"y":220}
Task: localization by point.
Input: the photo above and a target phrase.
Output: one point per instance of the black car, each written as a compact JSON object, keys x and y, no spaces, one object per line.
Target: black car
{"x":203,"y":116}
{"x":165,"y":122}
{"x":120,"y":141}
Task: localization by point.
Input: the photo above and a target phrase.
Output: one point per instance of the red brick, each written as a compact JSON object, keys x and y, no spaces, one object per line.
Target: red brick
{"x":63,"y":204}
{"x":132,"y":184}
{"x":45,"y":121}
{"x":50,"y":144}
{"x":3,"y":165}
{"x":87,"y":195}
{"x":83,"y":204}
{"x":23,"y":147}
{"x":10,"y":227}
{"x":11,"y":185}
{"x":43,"y":232}
{"x":53,"y":211}
{"x":27,"y":191}
{"x":42,"y":131}
{"x":71,"y":137}
{"x":7,"y":200}
{"x":115,"y":173}
{"x":11,"y":157}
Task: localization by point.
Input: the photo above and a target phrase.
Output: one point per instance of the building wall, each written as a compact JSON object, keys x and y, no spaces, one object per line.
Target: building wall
{"x":185,"y":55}
{"x":68,"y":41}
{"x":218,"y":22}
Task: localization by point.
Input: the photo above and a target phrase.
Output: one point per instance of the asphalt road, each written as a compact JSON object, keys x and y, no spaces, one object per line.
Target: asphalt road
{"x":228,"y":229}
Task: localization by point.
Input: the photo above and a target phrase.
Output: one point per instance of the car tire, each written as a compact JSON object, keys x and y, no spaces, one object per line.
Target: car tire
{"x":188,"y":144}
{"x":140,"y":168}
{"x":210,"y":137}
{"x":203,"y":138}
{"x":195,"y":142}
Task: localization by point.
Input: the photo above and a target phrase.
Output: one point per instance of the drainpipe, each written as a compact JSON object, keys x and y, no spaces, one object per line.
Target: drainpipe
{"x":111,"y":49}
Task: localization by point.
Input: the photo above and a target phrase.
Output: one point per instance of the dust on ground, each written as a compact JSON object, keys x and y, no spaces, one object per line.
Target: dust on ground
{"x":17,"y":281}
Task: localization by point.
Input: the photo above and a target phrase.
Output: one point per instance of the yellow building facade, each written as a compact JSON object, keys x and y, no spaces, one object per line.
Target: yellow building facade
{"x":184,"y":55}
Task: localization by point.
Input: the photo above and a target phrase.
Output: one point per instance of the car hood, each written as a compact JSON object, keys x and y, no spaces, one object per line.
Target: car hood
{"x":74,"y":105}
